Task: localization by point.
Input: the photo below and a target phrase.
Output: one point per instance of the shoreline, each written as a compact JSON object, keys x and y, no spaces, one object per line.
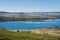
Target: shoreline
{"x":52,"y":31}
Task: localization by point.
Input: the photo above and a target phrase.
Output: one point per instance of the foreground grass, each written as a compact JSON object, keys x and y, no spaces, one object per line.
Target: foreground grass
{"x":9,"y":35}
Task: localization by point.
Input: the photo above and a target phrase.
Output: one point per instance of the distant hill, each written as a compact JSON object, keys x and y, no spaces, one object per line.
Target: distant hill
{"x":49,"y":13}
{"x":28,"y":16}
{"x":3,"y":12}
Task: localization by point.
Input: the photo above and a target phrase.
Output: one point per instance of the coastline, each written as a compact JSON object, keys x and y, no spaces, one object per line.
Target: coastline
{"x":52,"y":31}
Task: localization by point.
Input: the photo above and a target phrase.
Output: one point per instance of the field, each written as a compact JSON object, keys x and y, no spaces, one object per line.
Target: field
{"x":26,"y":35}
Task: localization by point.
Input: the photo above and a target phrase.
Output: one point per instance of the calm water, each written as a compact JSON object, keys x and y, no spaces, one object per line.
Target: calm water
{"x":29,"y":25}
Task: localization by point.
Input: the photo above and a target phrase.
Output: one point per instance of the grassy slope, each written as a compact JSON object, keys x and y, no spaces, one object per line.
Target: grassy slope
{"x":9,"y":35}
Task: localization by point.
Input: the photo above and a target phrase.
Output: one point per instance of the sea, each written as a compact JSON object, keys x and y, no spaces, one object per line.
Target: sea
{"x":18,"y":25}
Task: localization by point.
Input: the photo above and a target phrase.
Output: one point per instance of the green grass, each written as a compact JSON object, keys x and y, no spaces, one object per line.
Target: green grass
{"x":9,"y":35}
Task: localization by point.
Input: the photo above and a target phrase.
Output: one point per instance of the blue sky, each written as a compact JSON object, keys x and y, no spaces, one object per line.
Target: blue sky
{"x":30,"y":5}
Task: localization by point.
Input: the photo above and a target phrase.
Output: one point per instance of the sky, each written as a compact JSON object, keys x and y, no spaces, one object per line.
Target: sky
{"x":30,"y":5}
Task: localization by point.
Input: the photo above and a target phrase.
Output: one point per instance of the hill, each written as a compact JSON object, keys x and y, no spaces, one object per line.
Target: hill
{"x":28,"y":16}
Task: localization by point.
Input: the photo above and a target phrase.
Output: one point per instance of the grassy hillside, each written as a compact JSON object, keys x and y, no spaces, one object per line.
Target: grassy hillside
{"x":26,"y":17}
{"x":10,"y":35}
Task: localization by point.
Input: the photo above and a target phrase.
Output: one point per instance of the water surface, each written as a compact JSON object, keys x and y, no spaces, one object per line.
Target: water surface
{"x":29,"y":25}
